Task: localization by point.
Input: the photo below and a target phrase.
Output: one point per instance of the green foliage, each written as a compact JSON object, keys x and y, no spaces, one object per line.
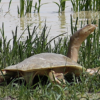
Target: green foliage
{"x":28,"y":5}
{"x":61,"y":6}
{"x":86,"y":88}
{"x":9,"y":4}
{"x":38,"y":6}
{"x":25,"y":7}
{"x":21,"y":12}
{"x":86,"y":5}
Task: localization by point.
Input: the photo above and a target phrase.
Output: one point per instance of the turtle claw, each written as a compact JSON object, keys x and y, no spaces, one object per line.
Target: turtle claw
{"x":93,"y":71}
{"x":57,"y":78}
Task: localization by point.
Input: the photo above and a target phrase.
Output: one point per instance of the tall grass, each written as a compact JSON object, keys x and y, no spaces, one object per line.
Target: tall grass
{"x":25,"y":7}
{"x":9,"y":4}
{"x":86,"y":5}
{"x":61,"y":6}
{"x":29,"y":6}
{"x":38,"y":6}
{"x":21,"y":11}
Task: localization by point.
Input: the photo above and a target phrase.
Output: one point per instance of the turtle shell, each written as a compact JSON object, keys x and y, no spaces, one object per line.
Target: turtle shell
{"x":44,"y":61}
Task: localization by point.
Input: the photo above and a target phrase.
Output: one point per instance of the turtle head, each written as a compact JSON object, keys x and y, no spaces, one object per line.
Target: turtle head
{"x":76,"y":40}
{"x":88,"y":29}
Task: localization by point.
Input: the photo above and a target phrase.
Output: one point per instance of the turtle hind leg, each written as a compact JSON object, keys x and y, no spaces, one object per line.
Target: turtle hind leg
{"x":28,"y":76}
{"x":57,"y":77}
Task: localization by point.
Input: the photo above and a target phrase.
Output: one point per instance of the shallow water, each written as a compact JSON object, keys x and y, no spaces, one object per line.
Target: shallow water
{"x":9,"y":17}
{"x":84,"y":16}
{"x":57,"y":22}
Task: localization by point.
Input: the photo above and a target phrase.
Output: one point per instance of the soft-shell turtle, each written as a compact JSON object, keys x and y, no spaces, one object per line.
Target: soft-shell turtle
{"x":53,"y":65}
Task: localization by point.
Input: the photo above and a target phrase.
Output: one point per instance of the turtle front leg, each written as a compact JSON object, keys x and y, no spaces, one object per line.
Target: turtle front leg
{"x":2,"y":74}
{"x":93,"y":71}
{"x":28,"y":76}
{"x":56,"y":77}
{"x":5,"y":75}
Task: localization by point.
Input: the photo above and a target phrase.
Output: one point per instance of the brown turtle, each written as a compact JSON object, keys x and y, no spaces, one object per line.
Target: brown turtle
{"x":55,"y":66}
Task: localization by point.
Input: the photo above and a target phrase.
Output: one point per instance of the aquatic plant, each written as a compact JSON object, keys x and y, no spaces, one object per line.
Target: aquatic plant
{"x":28,"y":6}
{"x":25,"y":7}
{"x":9,"y":4}
{"x":22,"y":8}
{"x":38,"y":6}
{"x":79,"y":5}
{"x":61,"y":6}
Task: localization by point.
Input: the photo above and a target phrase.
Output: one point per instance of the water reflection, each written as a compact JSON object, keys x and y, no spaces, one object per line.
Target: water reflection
{"x":10,"y":17}
{"x":58,"y":22}
{"x":83,"y":16}
{"x":62,"y":19}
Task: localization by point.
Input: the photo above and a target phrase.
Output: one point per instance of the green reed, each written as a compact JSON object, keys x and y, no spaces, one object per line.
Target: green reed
{"x":28,"y":5}
{"x":38,"y":6}
{"x":86,"y":5}
{"x":9,"y":4}
{"x":22,"y":8}
{"x":25,"y":7}
{"x":61,"y":6}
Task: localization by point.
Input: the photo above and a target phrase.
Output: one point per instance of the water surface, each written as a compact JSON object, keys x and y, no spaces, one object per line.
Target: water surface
{"x":9,"y":17}
{"x":58,"y":23}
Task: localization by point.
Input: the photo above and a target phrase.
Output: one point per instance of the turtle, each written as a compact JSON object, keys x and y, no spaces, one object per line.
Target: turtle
{"x":53,"y":65}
